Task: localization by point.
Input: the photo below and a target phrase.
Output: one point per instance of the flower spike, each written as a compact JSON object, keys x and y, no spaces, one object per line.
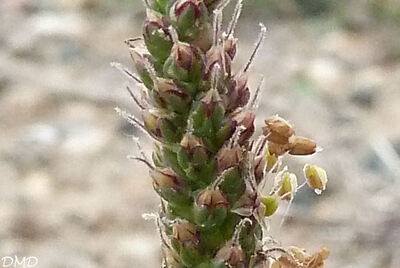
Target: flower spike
{"x":219,"y":186}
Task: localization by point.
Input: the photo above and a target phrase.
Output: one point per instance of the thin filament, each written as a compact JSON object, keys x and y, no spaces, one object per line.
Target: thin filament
{"x":235,"y":18}
{"x":261,"y":37}
{"x":125,"y":71}
{"x":135,"y":99}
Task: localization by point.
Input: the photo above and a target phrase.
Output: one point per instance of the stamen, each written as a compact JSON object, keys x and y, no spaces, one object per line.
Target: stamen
{"x":235,"y":17}
{"x":252,"y":177}
{"x":264,"y":180}
{"x":266,"y":253}
{"x":217,"y":25}
{"x":125,"y":71}
{"x":254,"y":101}
{"x":259,"y":145}
{"x":275,"y":189}
{"x":285,"y":214}
{"x":301,"y":186}
{"x":261,"y":38}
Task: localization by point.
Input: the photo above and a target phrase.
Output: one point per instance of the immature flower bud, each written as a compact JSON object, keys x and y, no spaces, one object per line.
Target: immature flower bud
{"x":156,"y":36}
{"x":151,"y":123}
{"x":245,"y":120}
{"x":157,"y":5}
{"x":271,"y":204}
{"x":211,"y":101}
{"x":316,"y":178}
{"x":216,"y":56}
{"x":207,"y":116}
{"x":230,"y":46}
{"x":278,"y":149}
{"x":165,"y":85}
{"x":211,"y":208}
{"x":278,"y":130}
{"x":185,"y":63}
{"x":211,"y":199}
{"x":185,"y":232}
{"x":168,"y":185}
{"x":171,"y":96}
{"x":141,"y":60}
{"x":204,"y":38}
{"x":165,"y":178}
{"x":302,"y":146}
{"x":229,"y":157}
{"x":194,"y":157}
{"x":189,"y":17}
{"x":287,"y":183}
{"x":232,"y":253}
{"x":160,"y":126}
{"x":265,"y":162}
{"x":239,"y":92}
{"x":191,"y":142}
{"x":183,"y":55}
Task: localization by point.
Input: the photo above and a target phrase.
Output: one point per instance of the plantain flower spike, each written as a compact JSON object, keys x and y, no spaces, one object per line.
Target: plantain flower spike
{"x":219,"y":185}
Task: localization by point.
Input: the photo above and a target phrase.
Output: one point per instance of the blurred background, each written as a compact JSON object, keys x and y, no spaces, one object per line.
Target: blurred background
{"x":68,"y":194}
